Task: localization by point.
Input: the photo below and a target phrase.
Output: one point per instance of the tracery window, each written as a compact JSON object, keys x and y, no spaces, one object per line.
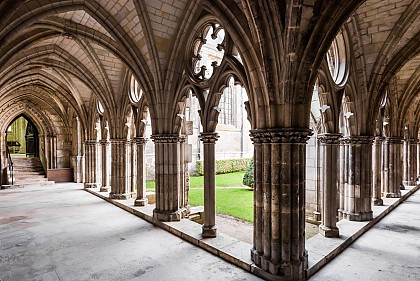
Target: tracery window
{"x":208,"y":50}
{"x":100,"y":108}
{"x":226,"y":115}
{"x":136,"y":92}
{"x":336,"y":59}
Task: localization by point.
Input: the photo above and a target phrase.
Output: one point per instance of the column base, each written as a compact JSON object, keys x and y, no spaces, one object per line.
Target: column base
{"x":391,"y":194}
{"x":377,"y":202}
{"x":329,"y":231}
{"x":104,"y":189}
{"x":167,"y":215}
{"x":317,"y":216}
{"x":287,"y":270}
{"x":409,"y":183}
{"x":358,"y":216}
{"x":141,"y":202}
{"x":119,"y":196}
{"x":340,"y":214}
{"x":209,"y":231}
{"x":90,"y":185}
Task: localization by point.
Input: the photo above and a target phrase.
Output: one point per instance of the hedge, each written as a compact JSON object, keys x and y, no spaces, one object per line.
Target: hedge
{"x":225,"y":166}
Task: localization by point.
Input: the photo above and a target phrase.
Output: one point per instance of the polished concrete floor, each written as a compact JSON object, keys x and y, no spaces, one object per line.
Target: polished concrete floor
{"x":390,"y":251}
{"x":61,"y":232}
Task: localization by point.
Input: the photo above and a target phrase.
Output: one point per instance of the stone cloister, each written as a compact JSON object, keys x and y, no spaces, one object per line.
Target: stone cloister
{"x":88,"y":73}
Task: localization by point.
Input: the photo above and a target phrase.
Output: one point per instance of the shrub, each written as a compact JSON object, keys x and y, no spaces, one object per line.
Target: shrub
{"x":225,"y":166}
{"x":249,"y":174}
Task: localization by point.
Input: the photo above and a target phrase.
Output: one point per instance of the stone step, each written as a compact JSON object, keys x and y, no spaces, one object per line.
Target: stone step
{"x":32,"y":179}
{"x":28,"y":169}
{"x":21,"y":185}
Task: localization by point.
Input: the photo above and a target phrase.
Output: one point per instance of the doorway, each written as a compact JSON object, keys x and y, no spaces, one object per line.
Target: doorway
{"x":22,"y":137}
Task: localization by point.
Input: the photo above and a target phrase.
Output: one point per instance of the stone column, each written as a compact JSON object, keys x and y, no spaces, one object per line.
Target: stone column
{"x":418,"y":159}
{"x":90,"y":164}
{"x":78,"y":169}
{"x":391,"y":175}
{"x":133,"y":166}
{"x":209,"y":142}
{"x":410,"y":161}
{"x":119,"y":188}
{"x":358,"y":186}
{"x":169,"y":186}
{"x":52,"y":151}
{"x":105,"y":177}
{"x":141,"y":199}
{"x":329,"y":147}
{"x":344,"y":149}
{"x":279,"y":204}
{"x":129,"y":167}
{"x":377,"y":171}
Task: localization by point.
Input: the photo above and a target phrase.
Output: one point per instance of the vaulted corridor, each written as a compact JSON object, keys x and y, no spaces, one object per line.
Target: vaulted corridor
{"x":318,"y":100}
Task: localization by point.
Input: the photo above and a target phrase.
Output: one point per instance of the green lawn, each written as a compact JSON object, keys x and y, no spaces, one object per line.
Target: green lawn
{"x":231,"y":179}
{"x":235,"y":202}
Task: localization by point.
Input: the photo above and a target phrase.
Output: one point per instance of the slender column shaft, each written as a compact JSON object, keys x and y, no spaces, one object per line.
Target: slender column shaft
{"x":141,"y":199}
{"x":209,"y":141}
{"x":133,"y":165}
{"x":410,"y":162}
{"x":169,"y":186}
{"x":377,"y":171}
{"x":418,"y":160}
{"x":358,"y":189}
{"x":343,"y":178}
{"x":105,"y":176}
{"x":90,"y":164}
{"x":119,"y":187}
{"x":329,"y":144}
{"x":392,"y":176}
{"x":279,"y":217}
{"x":129,"y":166}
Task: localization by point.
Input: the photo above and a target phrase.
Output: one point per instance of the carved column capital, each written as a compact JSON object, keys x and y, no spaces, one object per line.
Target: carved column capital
{"x":167,"y":138}
{"x":283,"y":135}
{"x":141,"y":140}
{"x":208,"y":137}
{"x":118,"y":141}
{"x":379,"y":139}
{"x":354,"y":140}
{"x":393,"y":140}
{"x":330,"y":138}
{"x":412,"y":141}
{"x":103,"y":142}
{"x":90,"y":142}
{"x":260,"y":136}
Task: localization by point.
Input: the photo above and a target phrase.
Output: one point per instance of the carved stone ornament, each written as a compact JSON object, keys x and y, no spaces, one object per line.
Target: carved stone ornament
{"x":330,"y":138}
{"x":209,"y":137}
{"x":280,"y":135}
{"x":393,"y":140}
{"x":353,"y":140}
{"x":167,"y":138}
{"x":90,"y":142}
{"x":140,"y":140}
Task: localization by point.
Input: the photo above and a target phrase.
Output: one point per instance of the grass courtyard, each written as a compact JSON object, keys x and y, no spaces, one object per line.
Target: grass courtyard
{"x":232,"y":197}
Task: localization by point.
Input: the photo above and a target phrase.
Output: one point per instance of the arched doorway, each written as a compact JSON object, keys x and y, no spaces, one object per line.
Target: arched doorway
{"x":22,"y":137}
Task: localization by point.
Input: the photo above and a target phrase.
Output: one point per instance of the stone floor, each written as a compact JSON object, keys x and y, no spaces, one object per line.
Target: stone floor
{"x":45,"y":234}
{"x":60,"y":232}
{"x":388,"y":251}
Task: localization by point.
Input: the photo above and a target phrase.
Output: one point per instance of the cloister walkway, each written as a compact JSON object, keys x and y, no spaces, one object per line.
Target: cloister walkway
{"x":390,"y":250}
{"x":61,"y":232}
